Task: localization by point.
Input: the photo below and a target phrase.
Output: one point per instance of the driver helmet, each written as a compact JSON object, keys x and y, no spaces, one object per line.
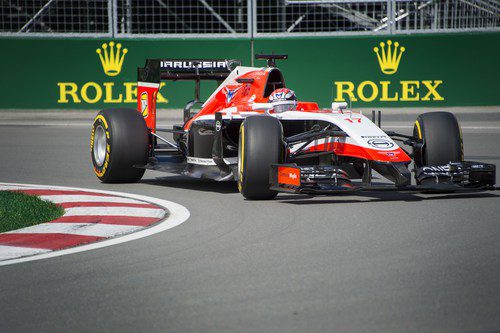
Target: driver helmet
{"x":283,"y":100}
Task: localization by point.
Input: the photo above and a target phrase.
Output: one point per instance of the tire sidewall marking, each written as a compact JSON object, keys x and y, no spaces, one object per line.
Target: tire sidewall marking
{"x":241,"y":157}
{"x":100,"y":171}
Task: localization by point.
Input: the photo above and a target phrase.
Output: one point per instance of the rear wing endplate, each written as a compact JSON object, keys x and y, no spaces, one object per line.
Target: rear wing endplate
{"x":150,"y":76}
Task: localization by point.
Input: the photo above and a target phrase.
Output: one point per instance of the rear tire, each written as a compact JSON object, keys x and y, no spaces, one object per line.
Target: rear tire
{"x":119,"y":140}
{"x":442,"y":139}
{"x":260,"y":145}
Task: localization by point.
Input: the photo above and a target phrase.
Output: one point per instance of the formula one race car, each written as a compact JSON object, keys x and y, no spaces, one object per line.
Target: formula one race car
{"x":253,"y":130}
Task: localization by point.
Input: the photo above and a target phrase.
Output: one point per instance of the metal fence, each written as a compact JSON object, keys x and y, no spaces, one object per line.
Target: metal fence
{"x":289,"y":17}
{"x":243,"y":18}
{"x":41,"y":17}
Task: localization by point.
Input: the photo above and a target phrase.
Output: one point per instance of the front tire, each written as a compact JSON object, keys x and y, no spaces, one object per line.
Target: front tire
{"x":442,"y":139}
{"x":119,"y":140}
{"x":260,"y":145}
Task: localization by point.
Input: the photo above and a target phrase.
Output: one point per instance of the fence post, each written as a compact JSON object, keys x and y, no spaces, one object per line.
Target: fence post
{"x":129,"y":16}
{"x":110,"y":18}
{"x":115,"y":18}
{"x":252,"y":26}
{"x":390,"y":16}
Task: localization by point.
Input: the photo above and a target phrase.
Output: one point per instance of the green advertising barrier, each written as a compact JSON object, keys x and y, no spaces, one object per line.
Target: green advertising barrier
{"x":393,"y":71}
{"x":96,"y":73}
{"x":379,"y":71}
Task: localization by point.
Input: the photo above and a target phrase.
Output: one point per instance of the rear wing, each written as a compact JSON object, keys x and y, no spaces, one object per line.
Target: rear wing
{"x":157,"y":70}
{"x":150,"y":76}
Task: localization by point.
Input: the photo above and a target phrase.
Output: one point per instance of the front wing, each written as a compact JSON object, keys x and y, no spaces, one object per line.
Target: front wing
{"x":454,"y":177}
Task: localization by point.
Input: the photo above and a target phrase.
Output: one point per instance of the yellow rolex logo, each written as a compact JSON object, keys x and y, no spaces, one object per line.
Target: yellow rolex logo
{"x":389,"y":59}
{"x":112,"y":61}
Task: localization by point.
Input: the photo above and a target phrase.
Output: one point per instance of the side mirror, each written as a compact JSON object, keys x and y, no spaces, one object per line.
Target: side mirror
{"x":339,"y":105}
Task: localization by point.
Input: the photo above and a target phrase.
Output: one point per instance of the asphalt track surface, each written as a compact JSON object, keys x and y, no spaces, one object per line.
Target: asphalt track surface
{"x":378,"y":262}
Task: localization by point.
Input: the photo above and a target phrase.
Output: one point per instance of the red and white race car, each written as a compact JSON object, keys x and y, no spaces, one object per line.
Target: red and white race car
{"x":253,"y":130}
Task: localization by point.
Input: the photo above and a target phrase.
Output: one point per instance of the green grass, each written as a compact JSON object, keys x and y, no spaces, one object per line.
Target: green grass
{"x":19,"y":210}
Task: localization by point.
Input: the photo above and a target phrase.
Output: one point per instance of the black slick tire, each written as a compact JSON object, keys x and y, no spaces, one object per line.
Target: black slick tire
{"x":442,"y":139}
{"x":119,"y":140}
{"x":260,"y":145}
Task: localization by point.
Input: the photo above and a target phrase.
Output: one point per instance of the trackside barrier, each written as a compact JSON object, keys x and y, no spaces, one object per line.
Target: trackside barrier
{"x":380,"y":71}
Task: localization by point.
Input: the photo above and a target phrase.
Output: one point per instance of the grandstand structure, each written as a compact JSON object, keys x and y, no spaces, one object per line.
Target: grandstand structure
{"x":243,"y":18}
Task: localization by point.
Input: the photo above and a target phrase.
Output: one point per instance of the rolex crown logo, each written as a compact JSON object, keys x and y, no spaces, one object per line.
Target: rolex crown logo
{"x":389,"y":58}
{"x":112,"y":60}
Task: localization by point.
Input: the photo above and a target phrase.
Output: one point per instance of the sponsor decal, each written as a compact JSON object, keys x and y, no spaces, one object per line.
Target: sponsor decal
{"x":438,"y":169}
{"x":373,"y":136}
{"x":279,"y":95}
{"x":209,"y":161}
{"x":111,"y":57}
{"x":100,"y":121}
{"x":389,"y":56}
{"x":246,"y":89}
{"x":389,"y":59}
{"x":191,"y":65}
{"x":144,"y":104}
{"x":112,"y":61}
{"x":442,"y":170}
{"x":230,"y":93}
{"x":390,"y":154}
{"x":380,"y":143}
{"x":289,"y":176}
{"x":353,"y":120}
{"x":205,"y":131}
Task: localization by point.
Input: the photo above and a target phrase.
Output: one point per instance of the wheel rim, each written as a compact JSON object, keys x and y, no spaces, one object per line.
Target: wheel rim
{"x":100,"y":145}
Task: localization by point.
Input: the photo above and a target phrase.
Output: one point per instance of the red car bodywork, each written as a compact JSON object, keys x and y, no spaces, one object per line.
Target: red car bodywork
{"x":250,"y":89}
